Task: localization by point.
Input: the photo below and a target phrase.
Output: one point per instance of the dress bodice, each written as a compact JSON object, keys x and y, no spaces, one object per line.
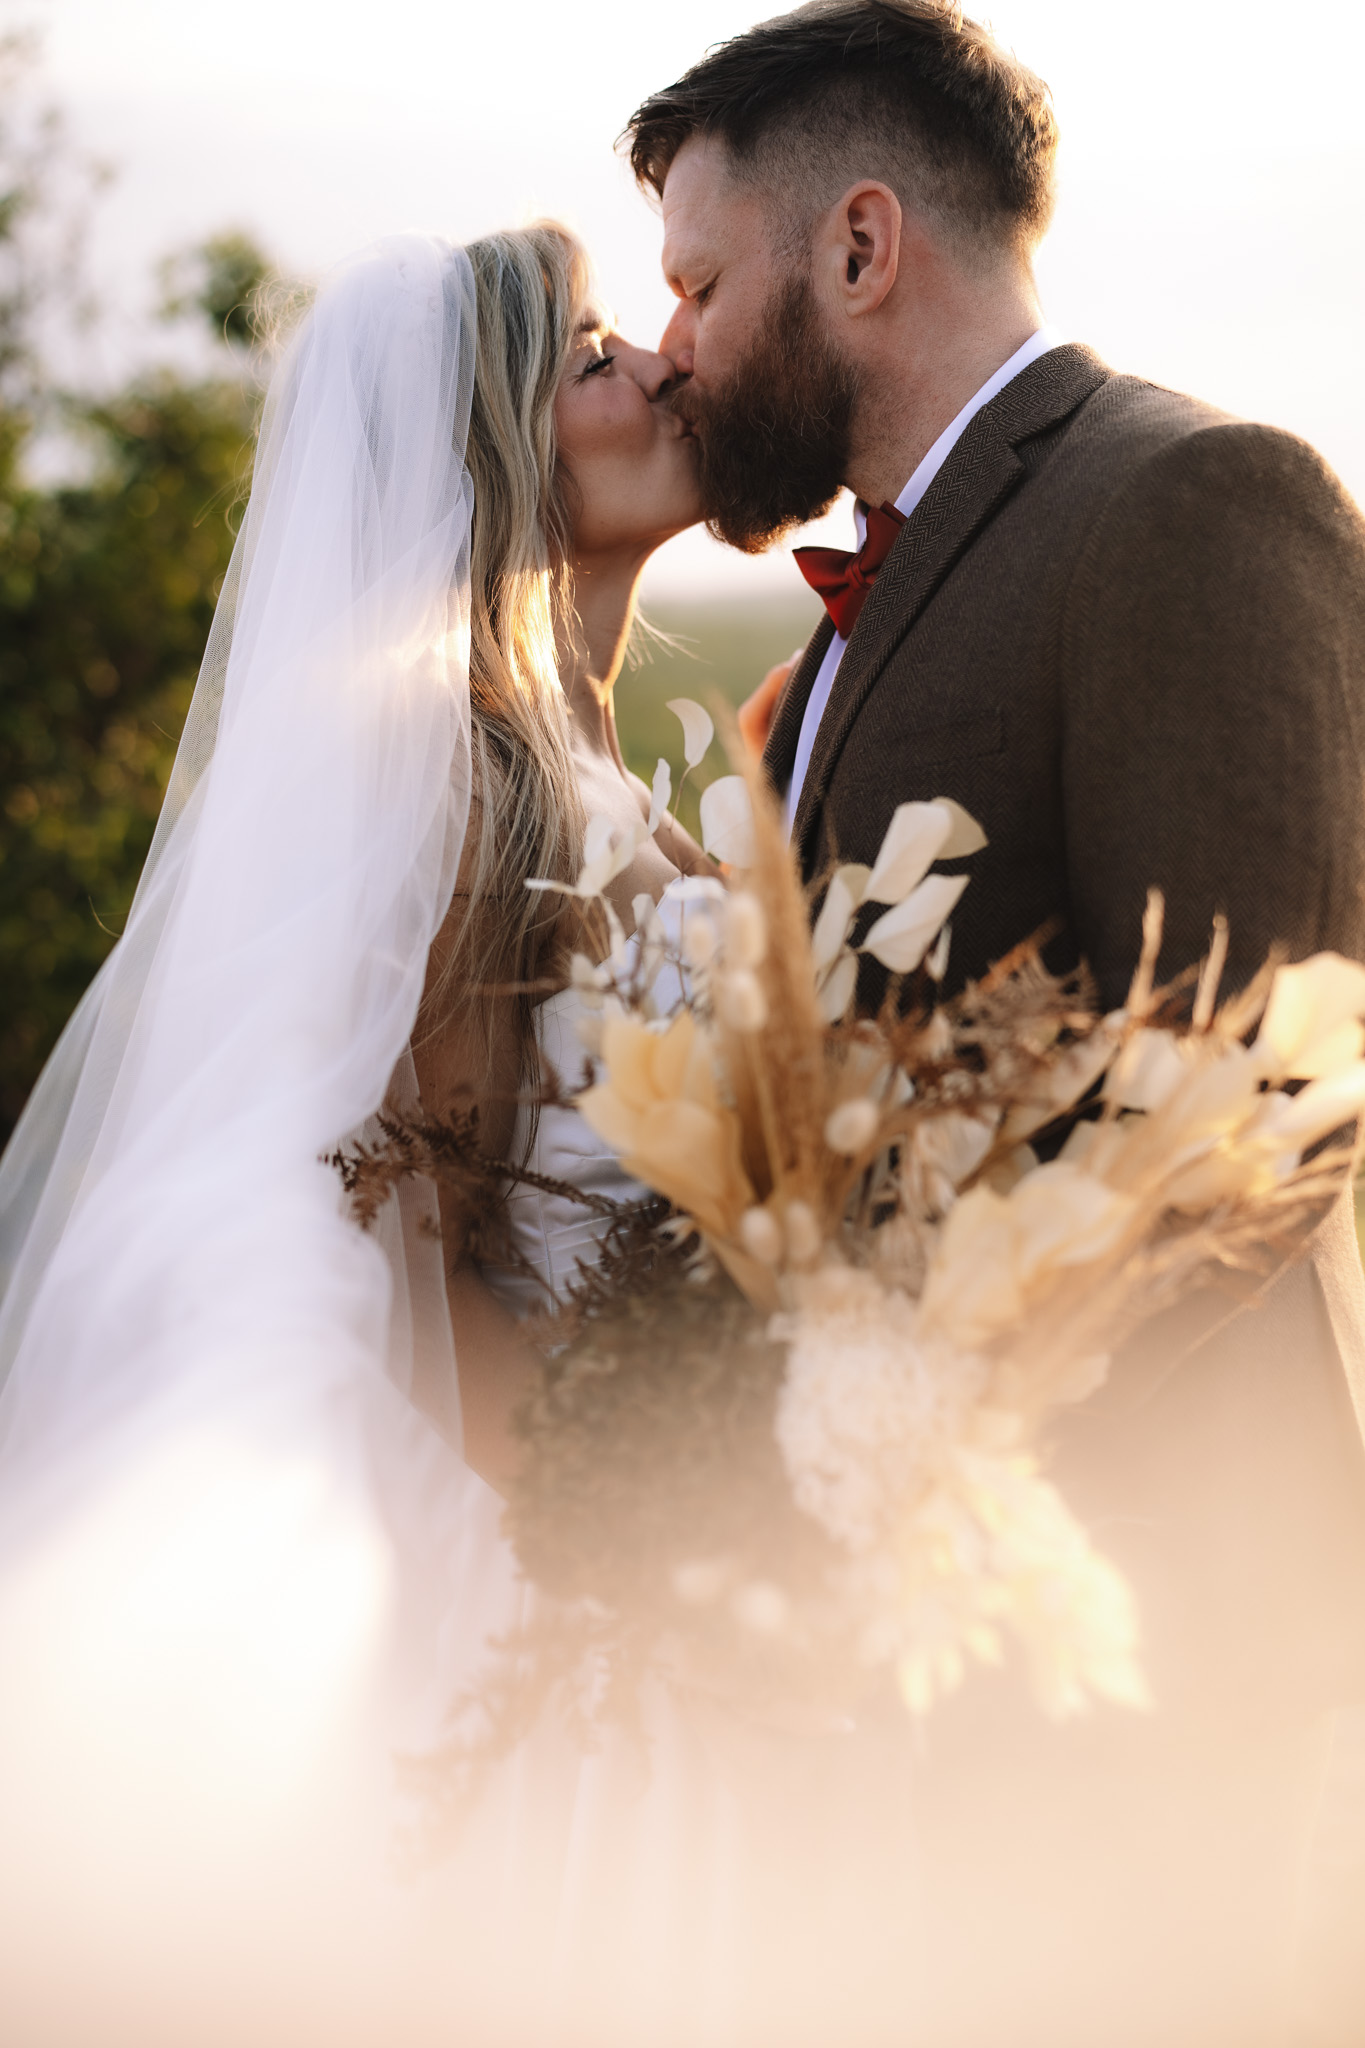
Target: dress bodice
{"x":552,"y":1234}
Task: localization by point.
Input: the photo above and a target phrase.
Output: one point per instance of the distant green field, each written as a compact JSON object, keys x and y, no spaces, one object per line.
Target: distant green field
{"x":723,"y":651}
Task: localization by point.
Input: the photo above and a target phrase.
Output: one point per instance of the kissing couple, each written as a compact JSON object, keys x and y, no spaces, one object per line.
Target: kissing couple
{"x":1123,"y":631}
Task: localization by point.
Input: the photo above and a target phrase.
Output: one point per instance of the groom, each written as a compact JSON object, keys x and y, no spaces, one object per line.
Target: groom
{"x":1128,"y":633}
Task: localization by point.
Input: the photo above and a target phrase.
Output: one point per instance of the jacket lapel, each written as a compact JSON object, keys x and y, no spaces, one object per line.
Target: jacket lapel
{"x":779,"y":753}
{"x":981,"y":472}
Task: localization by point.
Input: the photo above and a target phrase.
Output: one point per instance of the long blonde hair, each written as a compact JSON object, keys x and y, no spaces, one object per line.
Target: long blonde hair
{"x":532,"y":285}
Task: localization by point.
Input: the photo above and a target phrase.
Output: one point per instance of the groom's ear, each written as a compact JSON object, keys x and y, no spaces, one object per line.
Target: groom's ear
{"x":857,"y":248}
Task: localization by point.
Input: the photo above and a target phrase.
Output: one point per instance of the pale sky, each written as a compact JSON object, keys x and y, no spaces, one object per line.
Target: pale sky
{"x":1210,"y":234}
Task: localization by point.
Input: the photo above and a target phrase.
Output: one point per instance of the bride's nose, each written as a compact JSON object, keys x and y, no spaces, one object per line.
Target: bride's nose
{"x":656,"y":374}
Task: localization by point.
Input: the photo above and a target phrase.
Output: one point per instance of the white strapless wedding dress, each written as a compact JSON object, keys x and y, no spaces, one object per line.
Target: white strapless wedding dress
{"x":265,"y":1599}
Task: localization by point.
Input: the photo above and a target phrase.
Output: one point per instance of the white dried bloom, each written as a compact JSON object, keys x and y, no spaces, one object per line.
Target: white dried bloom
{"x":746,"y":931}
{"x":1009,"y":1552}
{"x":865,"y":1411}
{"x":740,"y":1001}
{"x":761,"y":1235}
{"x":852,"y":1126}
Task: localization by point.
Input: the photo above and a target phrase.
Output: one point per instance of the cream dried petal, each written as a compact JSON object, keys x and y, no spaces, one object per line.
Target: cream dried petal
{"x":1298,"y":1121}
{"x":936,"y":959}
{"x":1306,"y":1030}
{"x":1062,"y":1083}
{"x":965,"y":836}
{"x":912,"y":842}
{"x":1148,"y":1070}
{"x":1064,"y":1216}
{"x":608,"y":850}
{"x":660,"y":795}
{"x":697,"y":725}
{"x":727,"y":821}
{"x":837,"y":913}
{"x":835,"y":992}
{"x":902,"y":936}
{"x":954,"y":1142}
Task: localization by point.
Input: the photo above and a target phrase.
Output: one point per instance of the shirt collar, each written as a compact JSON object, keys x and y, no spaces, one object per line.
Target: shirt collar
{"x":1037,"y":345}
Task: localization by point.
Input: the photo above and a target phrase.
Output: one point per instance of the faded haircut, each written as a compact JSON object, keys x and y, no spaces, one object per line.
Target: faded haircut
{"x":904,"y":91}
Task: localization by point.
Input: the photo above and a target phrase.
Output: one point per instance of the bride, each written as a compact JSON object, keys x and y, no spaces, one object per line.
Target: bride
{"x":250,"y":1539}
{"x":580,"y":471}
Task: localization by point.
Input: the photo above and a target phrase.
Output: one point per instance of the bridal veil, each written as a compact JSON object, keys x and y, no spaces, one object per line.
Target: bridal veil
{"x":193,"y":1335}
{"x":164,"y":1215}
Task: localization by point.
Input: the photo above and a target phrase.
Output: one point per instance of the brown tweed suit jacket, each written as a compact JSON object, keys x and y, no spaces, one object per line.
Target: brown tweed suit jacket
{"x":1128,"y":633}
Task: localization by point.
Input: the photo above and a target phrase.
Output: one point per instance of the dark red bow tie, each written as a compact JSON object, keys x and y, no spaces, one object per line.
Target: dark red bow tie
{"x":841,"y":580}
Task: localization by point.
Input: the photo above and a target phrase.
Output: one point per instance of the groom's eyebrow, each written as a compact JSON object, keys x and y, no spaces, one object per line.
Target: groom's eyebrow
{"x":677,"y":263}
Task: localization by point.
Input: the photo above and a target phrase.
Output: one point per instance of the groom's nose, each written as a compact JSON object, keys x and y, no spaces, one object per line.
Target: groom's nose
{"x":677,"y":338}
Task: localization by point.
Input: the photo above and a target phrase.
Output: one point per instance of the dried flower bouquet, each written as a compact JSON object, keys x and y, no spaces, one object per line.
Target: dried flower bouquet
{"x":787,"y":1442}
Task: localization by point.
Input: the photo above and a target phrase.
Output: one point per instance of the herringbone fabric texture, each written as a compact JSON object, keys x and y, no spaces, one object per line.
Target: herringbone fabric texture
{"x":1128,"y":633}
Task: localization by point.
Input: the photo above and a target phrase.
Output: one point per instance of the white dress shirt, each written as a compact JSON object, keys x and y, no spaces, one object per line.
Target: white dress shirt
{"x":1037,"y":345}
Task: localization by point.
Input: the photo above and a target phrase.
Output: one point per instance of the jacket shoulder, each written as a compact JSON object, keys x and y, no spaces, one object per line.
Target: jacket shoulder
{"x":1131,"y":437}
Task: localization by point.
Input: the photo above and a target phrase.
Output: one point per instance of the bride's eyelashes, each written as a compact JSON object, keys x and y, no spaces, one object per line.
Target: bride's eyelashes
{"x":591,"y":368}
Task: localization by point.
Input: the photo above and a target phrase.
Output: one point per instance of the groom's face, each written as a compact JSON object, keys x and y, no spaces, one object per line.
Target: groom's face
{"x":766,"y":392}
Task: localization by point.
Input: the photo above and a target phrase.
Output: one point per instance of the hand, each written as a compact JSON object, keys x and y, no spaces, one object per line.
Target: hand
{"x":756,"y":712}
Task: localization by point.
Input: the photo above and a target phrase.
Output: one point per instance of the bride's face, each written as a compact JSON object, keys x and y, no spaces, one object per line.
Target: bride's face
{"x":632,"y":462}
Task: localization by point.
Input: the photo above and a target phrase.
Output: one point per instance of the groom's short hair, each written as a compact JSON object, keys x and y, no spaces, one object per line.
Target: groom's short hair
{"x":906,"y":91}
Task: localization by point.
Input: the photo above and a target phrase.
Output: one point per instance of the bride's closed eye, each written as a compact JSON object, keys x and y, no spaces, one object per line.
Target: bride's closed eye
{"x":590,"y":369}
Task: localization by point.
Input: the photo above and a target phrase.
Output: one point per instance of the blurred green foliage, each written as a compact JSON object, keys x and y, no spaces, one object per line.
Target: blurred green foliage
{"x":108,"y":579}
{"x":106,"y":594}
{"x":719,"y":653}
{"x":221,"y":280}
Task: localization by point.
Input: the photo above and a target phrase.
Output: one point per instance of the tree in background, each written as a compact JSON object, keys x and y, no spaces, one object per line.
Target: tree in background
{"x":107,"y":585}
{"x":108,"y":582}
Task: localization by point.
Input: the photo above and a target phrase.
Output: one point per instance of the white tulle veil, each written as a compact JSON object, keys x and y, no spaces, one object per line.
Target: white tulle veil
{"x":166,"y":1223}
{"x":229,"y":1545}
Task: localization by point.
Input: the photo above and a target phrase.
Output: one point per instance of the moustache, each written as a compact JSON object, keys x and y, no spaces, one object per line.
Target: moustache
{"x":686,"y":406}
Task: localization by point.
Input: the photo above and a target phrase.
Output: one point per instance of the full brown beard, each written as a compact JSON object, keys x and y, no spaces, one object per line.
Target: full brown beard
{"x":774,"y":439}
